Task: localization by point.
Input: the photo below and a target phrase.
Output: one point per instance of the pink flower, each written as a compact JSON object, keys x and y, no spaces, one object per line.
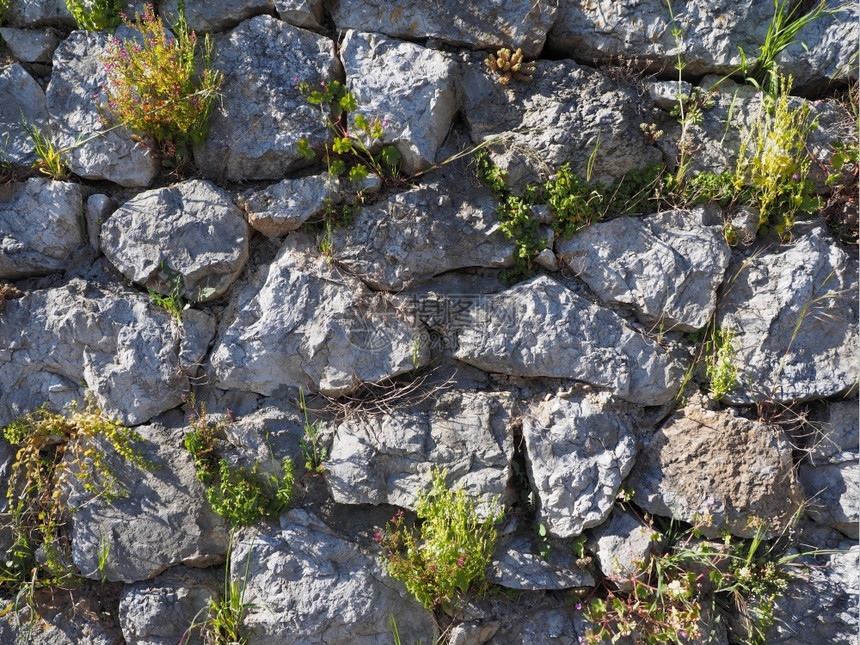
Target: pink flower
{"x":795,"y":176}
{"x":460,"y":561}
{"x":377,"y":536}
{"x":579,"y":605}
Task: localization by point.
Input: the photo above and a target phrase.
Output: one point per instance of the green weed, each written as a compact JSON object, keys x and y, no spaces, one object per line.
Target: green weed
{"x":94,"y":15}
{"x":312,"y":442}
{"x":721,"y":364}
{"x":51,"y":161}
{"x":448,"y":553}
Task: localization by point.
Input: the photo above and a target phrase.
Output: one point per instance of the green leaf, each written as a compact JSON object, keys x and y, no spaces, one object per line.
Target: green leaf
{"x":357,"y":173}
{"x":361,"y":122}
{"x":390,"y":156}
{"x":315,"y":97}
{"x":342,"y":145}
{"x":837,"y":161}
{"x":304,"y":149}
{"x":337,"y":168}
{"x":348,"y":102}
{"x":541,"y":529}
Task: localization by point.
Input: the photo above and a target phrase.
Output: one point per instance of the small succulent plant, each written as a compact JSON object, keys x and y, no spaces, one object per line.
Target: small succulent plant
{"x":510,"y":65}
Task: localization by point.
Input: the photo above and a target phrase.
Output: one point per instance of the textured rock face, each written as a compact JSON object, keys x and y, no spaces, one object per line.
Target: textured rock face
{"x":794,"y":314}
{"x":301,"y":13}
{"x":309,"y":586}
{"x":667,"y":267}
{"x":73,"y":110}
{"x":557,"y":120}
{"x":123,"y":350}
{"x":710,"y":463}
{"x":255,"y":129}
{"x":29,"y":45}
{"x":285,"y":206}
{"x":578,"y":341}
{"x":192,"y":229}
{"x":40,"y":227}
{"x":517,"y":23}
{"x":578,"y":452}
{"x":711,"y":34}
{"x":388,"y":459}
{"x":20,"y":98}
{"x":622,"y":546}
{"x":206,"y":16}
{"x":166,"y":522}
{"x":516,"y":566}
{"x":409,"y":87}
{"x":308,"y":325}
{"x":822,"y":605}
{"x":35,"y":13}
{"x":397,"y":242}
{"x":160,"y":611}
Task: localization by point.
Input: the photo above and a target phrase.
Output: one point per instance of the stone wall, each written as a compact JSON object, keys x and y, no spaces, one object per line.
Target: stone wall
{"x":412,"y":350}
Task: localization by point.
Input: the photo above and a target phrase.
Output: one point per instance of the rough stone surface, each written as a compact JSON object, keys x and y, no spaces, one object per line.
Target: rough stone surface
{"x":309,"y":586}
{"x":97,"y":210}
{"x":516,"y":565}
{"x":578,"y":341}
{"x":205,"y":16}
{"x":666,"y":266}
{"x":165,"y":520}
{"x":388,"y":459}
{"x":198,"y":329}
{"x":256,"y":127}
{"x":712,"y":33}
{"x":578,"y":451}
{"x":396,"y":242}
{"x":40,"y":226}
{"x":77,"y":78}
{"x":822,"y":605}
{"x":412,"y":89}
{"x":20,"y":97}
{"x":303,"y":324}
{"x":301,"y":13}
{"x":30,"y":45}
{"x":192,"y":229}
{"x":734,"y":469}
{"x":794,"y":314}
{"x":285,"y":206}
{"x":622,"y":546}
{"x":517,"y":23}
{"x":37,"y":13}
{"x":56,"y":343}
{"x":160,"y":611}
{"x":557,"y":121}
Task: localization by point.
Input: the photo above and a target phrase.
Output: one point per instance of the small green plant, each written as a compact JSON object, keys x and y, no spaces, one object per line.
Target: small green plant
{"x":94,"y":15}
{"x":51,"y":449}
{"x":447,"y":555}
{"x":173,"y":301}
{"x":720,"y":362}
{"x":240,"y":497}
{"x":773,"y":163}
{"x":153,"y":87}
{"x":352,"y":150}
{"x":510,"y":66}
{"x":104,"y":554}
{"x":51,"y":161}
{"x":736,"y":581}
{"x":312,"y":443}
{"x":4,"y":7}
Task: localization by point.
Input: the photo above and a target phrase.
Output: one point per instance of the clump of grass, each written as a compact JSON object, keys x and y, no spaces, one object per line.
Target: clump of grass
{"x":446,"y":556}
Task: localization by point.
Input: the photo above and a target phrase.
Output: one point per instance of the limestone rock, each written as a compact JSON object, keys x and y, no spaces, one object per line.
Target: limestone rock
{"x":301,"y":13}
{"x":820,"y":606}
{"x":38,"y":13}
{"x":192,"y":229}
{"x":30,"y":45}
{"x":578,"y":340}
{"x":622,"y":546}
{"x":578,"y":451}
{"x":731,"y":468}
{"x":388,"y":459}
{"x":98,"y":208}
{"x":257,"y":123}
{"x":302,"y":323}
{"x":72,"y":98}
{"x":408,"y":87}
{"x":40,"y":226}
{"x":165,"y":520}
{"x":198,"y":331}
{"x":515,"y":565}
{"x":161,"y":610}
{"x":712,"y":35}
{"x":794,"y":315}
{"x":57,"y":343}
{"x":285,"y":206}
{"x":20,"y":98}
{"x":666,"y":266}
{"x":516,"y":23}
{"x":557,"y":120}
{"x":398,"y":241}
{"x":205,"y":16}
{"x":307,"y":585}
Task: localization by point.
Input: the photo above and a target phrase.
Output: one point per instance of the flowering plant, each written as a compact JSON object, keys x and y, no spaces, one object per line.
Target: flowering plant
{"x":152,"y":86}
